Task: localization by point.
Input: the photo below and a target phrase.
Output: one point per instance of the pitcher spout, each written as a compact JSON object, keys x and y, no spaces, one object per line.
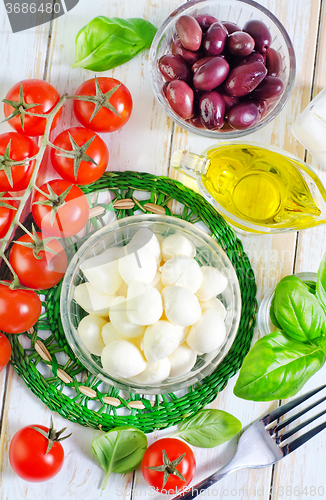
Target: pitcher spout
{"x":189,"y":163}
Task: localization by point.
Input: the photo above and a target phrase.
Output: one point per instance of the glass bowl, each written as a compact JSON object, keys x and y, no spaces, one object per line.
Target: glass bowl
{"x":264,"y":323}
{"x":208,"y":252}
{"x":239,"y":12}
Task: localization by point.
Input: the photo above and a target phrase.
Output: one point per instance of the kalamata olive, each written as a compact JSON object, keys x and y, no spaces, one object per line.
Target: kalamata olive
{"x":254,"y":57}
{"x":244,"y":115}
{"x":211,"y":74}
{"x":174,"y":68}
{"x":195,"y":122}
{"x":229,"y":100}
{"x":189,"y":32}
{"x":212,"y":110}
{"x":269,"y":88}
{"x":200,"y":62}
{"x":214,"y":39}
{"x":231,"y":27}
{"x":273,"y":62}
{"x":205,"y":20}
{"x":181,"y":98}
{"x":260,"y":33}
{"x":240,"y":44}
{"x":164,"y":87}
{"x":244,"y":79}
{"x":188,"y":56}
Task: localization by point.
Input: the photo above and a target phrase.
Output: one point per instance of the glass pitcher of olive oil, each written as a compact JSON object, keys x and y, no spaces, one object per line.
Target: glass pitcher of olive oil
{"x":255,"y":188}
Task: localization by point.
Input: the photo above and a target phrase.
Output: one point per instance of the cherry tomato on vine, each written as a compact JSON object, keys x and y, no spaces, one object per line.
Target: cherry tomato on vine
{"x":35,"y":453}
{"x":6,"y":214}
{"x":19,"y":309}
{"x":34,"y":91}
{"x":89,"y":162}
{"x":5,"y":351}
{"x":179,"y":473}
{"x":16,"y":147}
{"x":70,"y":211}
{"x":39,"y":269}
{"x":118,"y":100}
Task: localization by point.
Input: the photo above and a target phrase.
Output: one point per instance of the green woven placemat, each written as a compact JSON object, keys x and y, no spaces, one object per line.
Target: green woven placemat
{"x":49,"y":367}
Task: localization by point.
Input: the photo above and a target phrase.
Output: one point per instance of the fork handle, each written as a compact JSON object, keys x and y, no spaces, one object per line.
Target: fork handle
{"x":206,"y":483}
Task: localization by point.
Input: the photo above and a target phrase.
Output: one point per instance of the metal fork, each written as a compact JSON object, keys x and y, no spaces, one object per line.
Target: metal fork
{"x":261,"y":445}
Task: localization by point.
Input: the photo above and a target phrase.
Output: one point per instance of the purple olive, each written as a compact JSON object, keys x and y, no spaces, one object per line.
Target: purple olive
{"x":260,"y":33}
{"x":212,"y":110}
{"x":188,"y":56}
{"x":254,"y":57}
{"x":200,"y":62}
{"x":229,"y":100}
{"x":273,"y":62}
{"x":244,"y":79}
{"x":189,"y":32}
{"x":270,"y":88}
{"x":240,"y":44}
{"x":211,"y":74}
{"x":205,"y":20}
{"x":174,"y":68}
{"x":195,"y":122}
{"x":244,"y":115}
{"x":214,"y":39}
{"x":231,"y":27}
{"x":181,"y":98}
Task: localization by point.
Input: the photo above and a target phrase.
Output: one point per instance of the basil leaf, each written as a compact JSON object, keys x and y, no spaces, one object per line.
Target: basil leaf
{"x":272,"y":315}
{"x":105,"y":43}
{"x":120,"y":450}
{"x":209,"y":428}
{"x":321,"y":282}
{"x":277,"y":367}
{"x":297,"y":311}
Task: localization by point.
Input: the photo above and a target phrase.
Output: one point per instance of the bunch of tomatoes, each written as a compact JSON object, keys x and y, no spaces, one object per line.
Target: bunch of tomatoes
{"x":59,"y":207}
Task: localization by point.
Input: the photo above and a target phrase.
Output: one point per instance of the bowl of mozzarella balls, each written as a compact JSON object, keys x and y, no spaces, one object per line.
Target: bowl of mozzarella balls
{"x":222,"y":68}
{"x":150,"y":304}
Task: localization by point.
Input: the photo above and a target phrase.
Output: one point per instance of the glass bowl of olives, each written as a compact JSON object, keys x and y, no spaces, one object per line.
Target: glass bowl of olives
{"x":222,"y":68}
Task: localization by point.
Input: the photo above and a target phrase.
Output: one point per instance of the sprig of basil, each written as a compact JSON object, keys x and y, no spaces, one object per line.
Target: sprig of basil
{"x":120,"y":450}
{"x":105,"y":43}
{"x":297,"y":311}
{"x":321,"y":282}
{"x":277,"y":367}
{"x":209,"y":428}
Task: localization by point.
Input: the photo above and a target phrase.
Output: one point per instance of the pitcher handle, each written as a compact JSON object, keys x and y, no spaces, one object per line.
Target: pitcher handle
{"x":189,"y":163}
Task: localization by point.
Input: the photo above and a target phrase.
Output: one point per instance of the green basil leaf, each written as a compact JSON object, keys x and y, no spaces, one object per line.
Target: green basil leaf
{"x":321,"y":282}
{"x":277,"y":367}
{"x":311,"y":286}
{"x":272,"y":315}
{"x":120,"y":450}
{"x":297,"y":311}
{"x":105,"y":43}
{"x":209,"y":428}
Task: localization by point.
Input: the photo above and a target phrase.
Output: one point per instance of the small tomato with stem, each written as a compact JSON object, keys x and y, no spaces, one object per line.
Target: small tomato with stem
{"x":19,"y":309}
{"x":5,"y":351}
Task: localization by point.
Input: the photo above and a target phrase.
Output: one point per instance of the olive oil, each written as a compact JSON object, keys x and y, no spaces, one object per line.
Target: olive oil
{"x":259,"y":189}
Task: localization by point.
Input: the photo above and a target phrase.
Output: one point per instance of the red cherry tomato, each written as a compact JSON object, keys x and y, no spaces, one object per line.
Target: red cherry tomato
{"x":105,"y":120}
{"x":153,"y":457}
{"x":6,"y":214}
{"x":33,"y":272}
{"x":87,"y":171}
{"x":70,"y":218}
{"x":34,"y":91}
{"x":5,"y":351}
{"x":19,"y":309}
{"x":21,"y":147}
{"x":28,"y":457}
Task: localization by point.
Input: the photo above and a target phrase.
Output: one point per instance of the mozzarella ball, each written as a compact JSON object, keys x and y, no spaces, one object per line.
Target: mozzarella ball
{"x":216,"y":304}
{"x":208,"y":334}
{"x":157,"y":283}
{"x":89,"y":330}
{"x":182,"y":360}
{"x":122,"y":359}
{"x":102,"y":271}
{"x":119,"y":319}
{"x":214,"y":283}
{"x":154,"y":372}
{"x":177,"y":244}
{"x":182,"y":271}
{"x":181,"y":306}
{"x":110,"y":334}
{"x":183,"y":332}
{"x":92,"y":300}
{"x":144,"y":304}
{"x":145,"y":238}
{"x":160,"y":340}
{"x":139,"y":265}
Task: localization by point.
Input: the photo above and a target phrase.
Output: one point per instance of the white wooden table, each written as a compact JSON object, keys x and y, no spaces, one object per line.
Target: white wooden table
{"x":145,"y":144}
